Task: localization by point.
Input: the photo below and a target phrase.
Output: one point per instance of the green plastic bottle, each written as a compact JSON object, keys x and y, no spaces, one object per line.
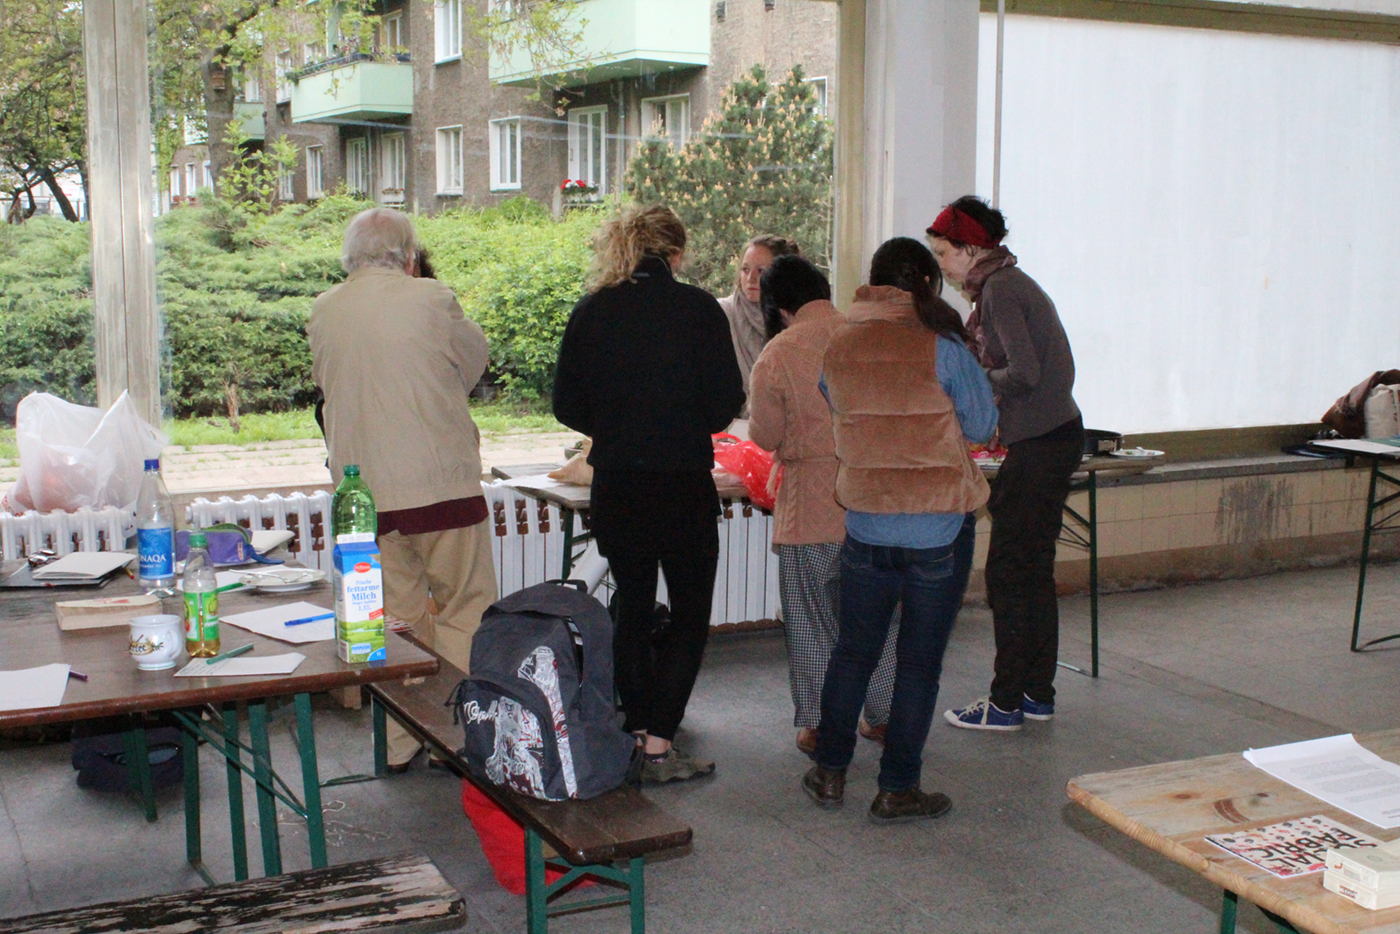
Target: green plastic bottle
{"x":353,"y":518}
{"x":201,"y":600}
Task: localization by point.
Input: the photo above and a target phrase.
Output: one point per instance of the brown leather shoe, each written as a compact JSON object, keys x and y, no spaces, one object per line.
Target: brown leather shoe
{"x":876,"y":734}
{"x":807,"y":740}
{"x":897,"y":807}
{"x":827,"y":787}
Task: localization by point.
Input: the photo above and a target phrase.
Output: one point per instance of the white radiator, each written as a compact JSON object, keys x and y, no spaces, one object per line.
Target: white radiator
{"x":305,"y":514}
{"x":65,"y":532}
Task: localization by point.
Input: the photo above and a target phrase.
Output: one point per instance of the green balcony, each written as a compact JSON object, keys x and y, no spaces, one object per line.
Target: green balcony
{"x":343,"y":91}
{"x":253,"y":121}
{"x":622,"y":39}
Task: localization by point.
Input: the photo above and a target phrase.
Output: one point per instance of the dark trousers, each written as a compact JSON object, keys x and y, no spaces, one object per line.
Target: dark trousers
{"x":931,"y":582}
{"x":1027,"y":509}
{"x":654,"y":678}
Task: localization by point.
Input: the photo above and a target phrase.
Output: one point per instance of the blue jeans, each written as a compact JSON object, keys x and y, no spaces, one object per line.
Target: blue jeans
{"x":931,"y":582}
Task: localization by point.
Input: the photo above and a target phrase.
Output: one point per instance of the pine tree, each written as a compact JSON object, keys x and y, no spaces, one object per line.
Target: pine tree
{"x":761,"y":165}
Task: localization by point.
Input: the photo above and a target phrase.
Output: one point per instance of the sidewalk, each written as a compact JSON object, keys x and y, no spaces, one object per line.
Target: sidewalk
{"x":219,"y":469}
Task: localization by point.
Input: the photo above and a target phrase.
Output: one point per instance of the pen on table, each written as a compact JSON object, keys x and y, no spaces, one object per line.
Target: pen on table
{"x":230,"y":653}
{"x":234,"y":585}
{"x":308,"y":619}
{"x":76,"y":675}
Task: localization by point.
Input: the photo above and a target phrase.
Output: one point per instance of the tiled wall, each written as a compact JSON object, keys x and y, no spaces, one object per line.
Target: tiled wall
{"x":1176,"y":531}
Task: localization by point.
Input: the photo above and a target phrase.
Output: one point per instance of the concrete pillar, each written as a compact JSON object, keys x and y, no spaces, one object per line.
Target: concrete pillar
{"x":127,"y":325}
{"x":914,"y":118}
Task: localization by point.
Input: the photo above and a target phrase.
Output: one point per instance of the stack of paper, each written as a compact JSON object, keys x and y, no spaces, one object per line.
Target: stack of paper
{"x":83,"y":566}
{"x":1369,"y":877}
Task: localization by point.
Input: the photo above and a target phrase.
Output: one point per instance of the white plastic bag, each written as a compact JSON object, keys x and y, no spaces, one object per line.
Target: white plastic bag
{"x":71,"y":456}
{"x":1382,"y":412}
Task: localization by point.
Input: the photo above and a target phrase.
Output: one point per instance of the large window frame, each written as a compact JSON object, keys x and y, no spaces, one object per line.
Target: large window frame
{"x":392,"y":168}
{"x":667,"y":118}
{"x":447,"y":30}
{"x":588,"y":146}
{"x":315,"y":172}
{"x":449,"y":161}
{"x":505,"y":144}
{"x":357,"y":166}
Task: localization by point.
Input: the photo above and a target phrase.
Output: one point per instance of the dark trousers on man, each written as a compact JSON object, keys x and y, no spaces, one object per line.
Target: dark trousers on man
{"x":1027,"y":510}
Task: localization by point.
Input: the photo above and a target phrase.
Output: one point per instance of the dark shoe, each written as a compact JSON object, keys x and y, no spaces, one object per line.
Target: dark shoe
{"x":897,"y":807}
{"x":876,"y":734}
{"x":807,"y":740}
{"x":827,"y":787}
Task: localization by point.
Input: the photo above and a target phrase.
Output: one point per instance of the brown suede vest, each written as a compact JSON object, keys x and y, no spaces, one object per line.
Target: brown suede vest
{"x":898,"y":438}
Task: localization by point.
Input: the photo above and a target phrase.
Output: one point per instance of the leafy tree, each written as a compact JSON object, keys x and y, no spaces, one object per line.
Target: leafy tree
{"x":43,"y":129}
{"x":762,"y":164}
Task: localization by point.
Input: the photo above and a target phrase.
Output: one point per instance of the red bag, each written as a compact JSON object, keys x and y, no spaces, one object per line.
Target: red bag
{"x":752,"y":465}
{"x":502,"y":840}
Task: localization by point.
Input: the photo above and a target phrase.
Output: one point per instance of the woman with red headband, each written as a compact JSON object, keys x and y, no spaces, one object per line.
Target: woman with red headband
{"x":1022,"y":345}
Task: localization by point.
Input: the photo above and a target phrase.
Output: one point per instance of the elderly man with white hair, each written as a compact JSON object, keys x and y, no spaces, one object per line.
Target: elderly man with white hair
{"x":396,"y":359}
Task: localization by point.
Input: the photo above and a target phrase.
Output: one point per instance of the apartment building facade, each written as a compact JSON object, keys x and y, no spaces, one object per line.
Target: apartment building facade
{"x":432,"y":120}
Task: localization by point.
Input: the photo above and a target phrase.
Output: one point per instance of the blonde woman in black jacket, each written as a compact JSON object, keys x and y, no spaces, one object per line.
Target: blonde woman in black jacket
{"x":647,"y":370}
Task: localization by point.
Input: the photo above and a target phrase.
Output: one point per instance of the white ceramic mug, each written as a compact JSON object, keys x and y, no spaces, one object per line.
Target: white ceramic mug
{"x":157,"y":641}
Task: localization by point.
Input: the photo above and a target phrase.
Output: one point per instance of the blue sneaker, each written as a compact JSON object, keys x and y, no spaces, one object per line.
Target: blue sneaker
{"x":984,"y":715}
{"x":1035,"y":710}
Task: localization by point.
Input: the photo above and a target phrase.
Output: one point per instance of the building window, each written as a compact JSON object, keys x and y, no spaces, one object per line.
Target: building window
{"x":208,"y":175}
{"x":819,"y":88}
{"x":175,"y":181}
{"x":284,"y":86}
{"x":391,"y":33}
{"x":313,"y":172}
{"x":357,"y":165}
{"x":587,"y":146}
{"x":252,"y":90}
{"x":447,"y":29}
{"x":284,"y":183}
{"x":191,"y":179}
{"x":505,"y":154}
{"x":312,"y":52}
{"x":449,"y":160}
{"x":667,"y":118}
{"x":392,"y":170}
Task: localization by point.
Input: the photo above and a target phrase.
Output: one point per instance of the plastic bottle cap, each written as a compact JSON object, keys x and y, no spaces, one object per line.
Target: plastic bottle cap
{"x":198,"y":540}
{"x":153,"y":463}
{"x":352,"y":470}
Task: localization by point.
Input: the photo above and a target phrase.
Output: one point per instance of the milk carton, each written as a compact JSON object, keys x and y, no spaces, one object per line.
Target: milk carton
{"x":359,"y":601}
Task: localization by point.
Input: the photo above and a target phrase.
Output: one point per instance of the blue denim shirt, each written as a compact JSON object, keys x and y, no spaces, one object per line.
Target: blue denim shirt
{"x":962,"y":378}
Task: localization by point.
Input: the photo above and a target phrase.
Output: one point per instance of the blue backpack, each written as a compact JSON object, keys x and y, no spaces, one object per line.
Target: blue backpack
{"x":537,"y":709}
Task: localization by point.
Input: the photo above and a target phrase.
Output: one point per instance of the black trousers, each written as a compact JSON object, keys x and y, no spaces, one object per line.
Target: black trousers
{"x":1027,"y":509}
{"x":655,"y":677}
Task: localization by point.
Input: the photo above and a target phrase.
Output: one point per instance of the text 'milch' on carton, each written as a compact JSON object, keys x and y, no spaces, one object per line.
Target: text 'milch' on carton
{"x":358,"y":577}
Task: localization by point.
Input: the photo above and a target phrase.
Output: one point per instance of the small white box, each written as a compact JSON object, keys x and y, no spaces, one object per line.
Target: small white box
{"x":1363,"y":895}
{"x":1374,"y":867}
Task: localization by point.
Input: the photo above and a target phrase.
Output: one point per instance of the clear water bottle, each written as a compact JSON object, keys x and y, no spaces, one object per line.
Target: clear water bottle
{"x":155,"y":533}
{"x":353,"y":518}
{"x":201,"y":600}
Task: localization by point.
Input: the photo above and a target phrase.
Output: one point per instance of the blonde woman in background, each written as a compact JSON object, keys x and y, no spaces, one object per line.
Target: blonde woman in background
{"x":743,"y":308}
{"x":647,"y":370}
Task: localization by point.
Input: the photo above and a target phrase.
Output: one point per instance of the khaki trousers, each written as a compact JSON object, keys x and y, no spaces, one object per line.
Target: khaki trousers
{"x":440,"y":583}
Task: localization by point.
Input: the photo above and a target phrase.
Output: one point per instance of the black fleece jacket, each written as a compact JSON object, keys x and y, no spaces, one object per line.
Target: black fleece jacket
{"x":647,"y":370}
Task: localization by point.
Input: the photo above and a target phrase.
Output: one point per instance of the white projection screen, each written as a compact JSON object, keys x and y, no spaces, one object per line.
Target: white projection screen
{"x":1215,"y":214}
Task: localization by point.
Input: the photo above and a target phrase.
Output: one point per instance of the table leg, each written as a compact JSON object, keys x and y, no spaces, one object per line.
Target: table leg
{"x":636,"y":891}
{"x":138,"y":766}
{"x":1365,"y":553}
{"x":1094,"y":573}
{"x":566,"y":517}
{"x":536,"y":899}
{"x":381,"y":744}
{"x":311,"y":783}
{"x":238,"y":832}
{"x":1228,"y":908}
{"x":262,"y":775}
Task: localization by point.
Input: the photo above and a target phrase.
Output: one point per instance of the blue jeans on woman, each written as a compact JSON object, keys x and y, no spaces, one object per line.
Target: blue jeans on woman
{"x":874,"y":578}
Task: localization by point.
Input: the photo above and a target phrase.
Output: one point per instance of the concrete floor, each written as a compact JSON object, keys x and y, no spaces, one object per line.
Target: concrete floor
{"x":1192,"y":671}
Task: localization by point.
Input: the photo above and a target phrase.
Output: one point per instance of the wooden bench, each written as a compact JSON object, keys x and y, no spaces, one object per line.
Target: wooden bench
{"x":401,"y":893}
{"x":607,"y":838}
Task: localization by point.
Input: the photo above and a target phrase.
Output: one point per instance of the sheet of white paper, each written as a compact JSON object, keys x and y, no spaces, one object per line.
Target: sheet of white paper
{"x":242,"y":666}
{"x":264,"y":540}
{"x":272,"y":622}
{"x":29,"y":688}
{"x":546,"y":482}
{"x":83,"y":564}
{"x":1340,"y":771}
{"x":1361,"y":446}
